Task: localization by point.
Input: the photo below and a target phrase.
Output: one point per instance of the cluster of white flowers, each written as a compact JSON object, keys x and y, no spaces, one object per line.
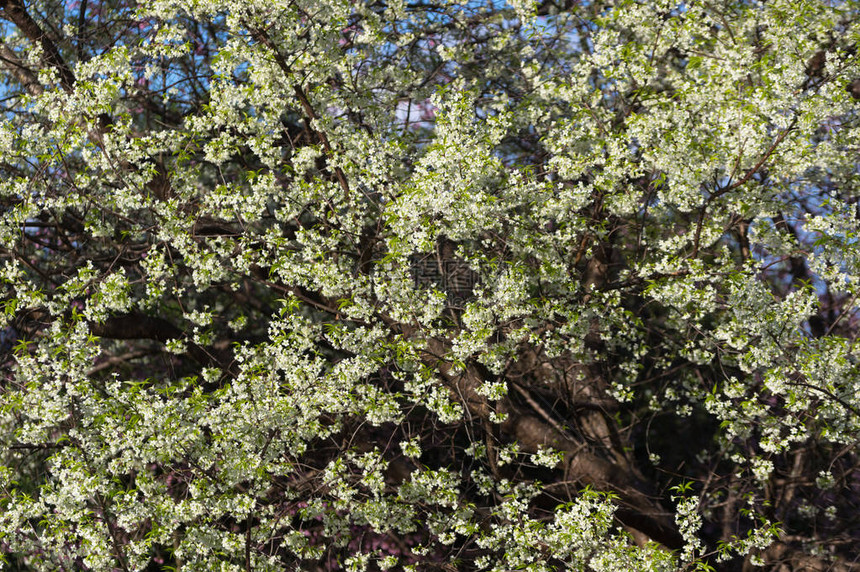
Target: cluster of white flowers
{"x":656,"y":201}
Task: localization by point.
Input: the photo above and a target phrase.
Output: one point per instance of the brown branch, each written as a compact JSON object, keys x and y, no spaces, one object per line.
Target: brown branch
{"x":248,"y":544}
{"x":135,"y":326}
{"x":829,"y":394}
{"x":783,"y":556}
{"x":310,"y":114}
{"x":636,"y":509}
{"x":15,"y":12}
{"x":797,"y":264}
{"x":140,"y":327}
{"x":747,"y":176}
{"x":19,"y":71}
{"x":547,"y":7}
{"x":37,"y":446}
{"x":540,"y":410}
{"x":82,"y":23}
{"x":115,"y":360}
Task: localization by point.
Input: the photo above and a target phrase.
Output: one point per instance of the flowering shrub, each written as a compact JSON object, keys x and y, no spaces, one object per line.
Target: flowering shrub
{"x":326,"y":285}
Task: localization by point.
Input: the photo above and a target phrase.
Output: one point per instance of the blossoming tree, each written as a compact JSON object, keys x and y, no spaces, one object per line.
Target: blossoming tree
{"x":331,"y":284}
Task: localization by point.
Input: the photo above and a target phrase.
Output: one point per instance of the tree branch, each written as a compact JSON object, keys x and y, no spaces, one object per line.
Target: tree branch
{"x":15,"y":12}
{"x":747,"y":176}
{"x":637,"y":510}
{"x":19,"y":71}
{"x":310,"y":115}
{"x":140,"y":327}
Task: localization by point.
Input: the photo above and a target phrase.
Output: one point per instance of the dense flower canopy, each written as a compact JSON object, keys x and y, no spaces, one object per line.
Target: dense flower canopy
{"x":333,"y":284}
